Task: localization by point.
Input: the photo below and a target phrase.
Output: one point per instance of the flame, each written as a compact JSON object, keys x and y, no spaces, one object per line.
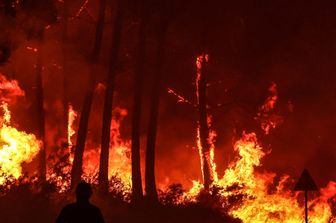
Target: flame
{"x":259,"y":203}
{"x":266,"y":114}
{"x":59,"y":171}
{"x":260,"y":198}
{"x":119,"y":156}
{"x":209,"y":155}
{"x":72,"y":114}
{"x":9,"y":90}
{"x":17,"y":147}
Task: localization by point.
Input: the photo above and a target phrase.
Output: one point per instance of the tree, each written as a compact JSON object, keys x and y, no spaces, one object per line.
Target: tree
{"x":77,"y":168}
{"x":65,"y":40}
{"x":107,"y":114}
{"x":137,"y":192}
{"x":150,"y":184}
{"x":39,"y":14}
{"x":204,"y":137}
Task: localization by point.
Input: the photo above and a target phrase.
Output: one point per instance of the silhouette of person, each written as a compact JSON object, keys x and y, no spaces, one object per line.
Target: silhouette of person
{"x":82,"y":211}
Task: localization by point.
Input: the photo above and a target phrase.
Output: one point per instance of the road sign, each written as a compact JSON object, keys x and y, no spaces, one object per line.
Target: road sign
{"x":306,"y":183}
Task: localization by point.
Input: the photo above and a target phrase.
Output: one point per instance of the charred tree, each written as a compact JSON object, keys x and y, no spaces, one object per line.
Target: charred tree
{"x":150,"y":184}
{"x":40,"y":108}
{"x":204,"y":139}
{"x":137,"y":193}
{"x":77,"y":168}
{"x":110,"y":84}
{"x":39,"y":14}
{"x":65,"y":40}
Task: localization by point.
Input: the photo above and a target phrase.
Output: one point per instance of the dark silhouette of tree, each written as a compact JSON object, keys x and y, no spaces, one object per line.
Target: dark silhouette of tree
{"x":39,"y":14}
{"x":5,"y":52}
{"x":137,"y":192}
{"x":65,"y":40}
{"x":8,"y":7}
{"x":110,"y":84}
{"x":150,"y":184}
{"x":77,"y":168}
{"x":165,"y":11}
{"x":40,"y":109}
{"x":204,"y":128}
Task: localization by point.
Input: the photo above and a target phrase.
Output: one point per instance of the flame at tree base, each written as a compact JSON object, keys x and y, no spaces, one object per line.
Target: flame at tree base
{"x":260,"y":200}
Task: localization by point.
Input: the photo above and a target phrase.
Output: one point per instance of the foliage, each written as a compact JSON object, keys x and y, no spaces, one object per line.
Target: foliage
{"x":172,"y":195}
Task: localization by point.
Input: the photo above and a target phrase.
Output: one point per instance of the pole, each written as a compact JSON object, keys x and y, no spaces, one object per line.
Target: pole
{"x":306,"y":206}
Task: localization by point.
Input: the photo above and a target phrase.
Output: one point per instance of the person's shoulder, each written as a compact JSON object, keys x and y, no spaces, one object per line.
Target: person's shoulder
{"x":94,"y":207}
{"x":69,"y":206}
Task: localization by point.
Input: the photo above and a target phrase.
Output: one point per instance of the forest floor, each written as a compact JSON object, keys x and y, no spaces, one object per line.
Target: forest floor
{"x":22,"y":205}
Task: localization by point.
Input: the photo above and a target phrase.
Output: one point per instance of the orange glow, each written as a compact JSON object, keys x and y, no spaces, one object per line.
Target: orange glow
{"x":17,"y":147}
{"x":269,"y":120}
{"x":72,"y":114}
{"x":208,"y":155}
{"x":119,"y":156}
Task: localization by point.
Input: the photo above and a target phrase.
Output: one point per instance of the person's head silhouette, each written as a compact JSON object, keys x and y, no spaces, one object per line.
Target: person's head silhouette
{"x":83,"y":192}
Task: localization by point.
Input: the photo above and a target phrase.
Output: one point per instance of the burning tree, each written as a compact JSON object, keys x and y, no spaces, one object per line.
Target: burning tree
{"x":205,"y":134}
{"x":39,"y":15}
{"x":77,"y":168}
{"x":107,"y":115}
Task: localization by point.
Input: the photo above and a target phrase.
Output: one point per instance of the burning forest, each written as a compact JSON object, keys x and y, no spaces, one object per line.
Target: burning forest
{"x":171,"y":111}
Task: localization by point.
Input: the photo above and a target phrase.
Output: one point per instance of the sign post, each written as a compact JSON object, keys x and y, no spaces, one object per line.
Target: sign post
{"x":305,"y":183}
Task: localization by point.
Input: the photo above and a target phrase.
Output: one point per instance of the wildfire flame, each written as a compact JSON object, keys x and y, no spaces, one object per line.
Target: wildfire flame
{"x":119,"y":156}
{"x":72,"y":114}
{"x":266,"y":114}
{"x":206,"y":152}
{"x":16,"y":148}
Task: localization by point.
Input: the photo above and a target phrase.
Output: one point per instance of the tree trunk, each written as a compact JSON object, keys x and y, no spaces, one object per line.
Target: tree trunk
{"x":137,"y":193}
{"x":107,"y":114}
{"x":77,"y":167}
{"x":150,"y":184}
{"x":203,"y":128}
{"x":65,"y":70}
{"x":40,"y":107}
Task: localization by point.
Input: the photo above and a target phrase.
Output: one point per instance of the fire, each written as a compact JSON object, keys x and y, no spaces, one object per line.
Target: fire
{"x":266,"y":114}
{"x":9,"y":90}
{"x":72,"y":114}
{"x":59,"y":172}
{"x":17,"y":147}
{"x":262,"y":200}
{"x":205,"y":140}
{"x":260,"y":205}
{"x":119,"y":157}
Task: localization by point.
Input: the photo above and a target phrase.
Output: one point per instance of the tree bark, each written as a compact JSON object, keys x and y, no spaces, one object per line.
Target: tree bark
{"x":107,"y":114}
{"x":65,"y":46}
{"x":137,"y":193}
{"x":40,"y":107}
{"x":77,"y":167}
{"x":203,"y":128}
{"x":150,"y":184}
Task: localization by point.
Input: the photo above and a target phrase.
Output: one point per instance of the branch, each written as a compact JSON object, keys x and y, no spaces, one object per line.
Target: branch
{"x":84,"y":9}
{"x":180,"y":98}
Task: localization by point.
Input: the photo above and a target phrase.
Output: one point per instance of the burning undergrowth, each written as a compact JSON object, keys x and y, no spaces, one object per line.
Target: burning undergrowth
{"x":244,"y":191}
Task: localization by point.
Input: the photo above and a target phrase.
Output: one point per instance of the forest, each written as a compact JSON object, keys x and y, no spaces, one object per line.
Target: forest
{"x":174,"y":111}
